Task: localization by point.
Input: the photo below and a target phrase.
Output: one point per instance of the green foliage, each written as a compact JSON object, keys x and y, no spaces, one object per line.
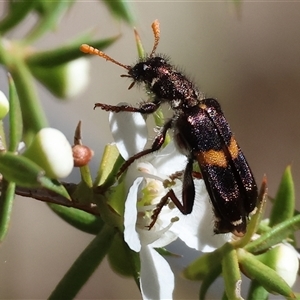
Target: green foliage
{"x":21,"y":175}
{"x":245,"y":256}
{"x":120,"y":9}
{"x":284,"y":202}
{"x":96,"y":206}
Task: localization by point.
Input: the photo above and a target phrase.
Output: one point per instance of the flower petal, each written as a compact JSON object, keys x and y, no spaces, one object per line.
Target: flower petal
{"x":157,"y":238}
{"x":196,"y":229}
{"x":131,"y":236}
{"x":157,"y":278}
{"x":129,"y":131}
{"x":169,"y":160}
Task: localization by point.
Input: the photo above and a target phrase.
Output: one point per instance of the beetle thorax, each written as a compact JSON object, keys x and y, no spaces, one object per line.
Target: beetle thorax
{"x":165,"y":82}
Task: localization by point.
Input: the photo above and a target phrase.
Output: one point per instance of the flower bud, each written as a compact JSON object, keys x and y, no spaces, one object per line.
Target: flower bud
{"x":66,"y":80}
{"x":51,"y":150}
{"x":4,"y":105}
{"x":283,"y":259}
{"x":77,"y":76}
{"x":81,"y":155}
{"x":287,"y":263}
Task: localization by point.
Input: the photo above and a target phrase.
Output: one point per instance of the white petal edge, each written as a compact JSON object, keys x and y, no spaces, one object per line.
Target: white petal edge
{"x":157,"y":278}
{"x":129,"y":131}
{"x":157,"y":238}
{"x":130,"y":216}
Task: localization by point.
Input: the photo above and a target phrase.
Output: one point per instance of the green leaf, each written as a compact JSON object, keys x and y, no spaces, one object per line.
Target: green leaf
{"x":117,"y":198}
{"x":224,"y":297}
{"x":48,"y":20}
{"x":109,"y":167}
{"x":209,"y":279}
{"x":84,"y":266}
{"x":284,"y":260}
{"x":266,"y":276}
{"x":122,"y":259}
{"x":43,"y":8}
{"x":139,"y":45}
{"x":54,"y":185}
{"x":83,"y":193}
{"x":79,"y":219}
{"x":199,"y":269}
{"x":6,"y":204}
{"x":256,"y":291}
{"x":54,"y":79}
{"x":120,"y":9}
{"x":15,"y":117}
{"x":108,"y":213}
{"x":276,"y":235}
{"x":65,"y":54}
{"x":34,"y":118}
{"x":255,"y":219}
{"x":231,"y":275}
{"x":26,"y":173}
{"x":20,"y":170}
{"x":17,"y":12}
{"x":284,"y":202}
{"x":202,"y":266}
{"x":165,"y":252}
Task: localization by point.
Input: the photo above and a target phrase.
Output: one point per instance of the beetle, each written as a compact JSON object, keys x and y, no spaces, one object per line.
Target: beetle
{"x":201,"y":132}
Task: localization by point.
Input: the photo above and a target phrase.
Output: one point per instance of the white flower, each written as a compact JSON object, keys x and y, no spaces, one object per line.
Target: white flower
{"x":145,"y":180}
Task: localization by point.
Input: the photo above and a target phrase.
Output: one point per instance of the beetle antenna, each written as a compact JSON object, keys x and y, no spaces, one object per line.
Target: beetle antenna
{"x":156,"y":32}
{"x":85,"y":48}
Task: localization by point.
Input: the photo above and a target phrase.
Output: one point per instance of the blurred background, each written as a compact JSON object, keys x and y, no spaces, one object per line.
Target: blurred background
{"x":248,"y":57}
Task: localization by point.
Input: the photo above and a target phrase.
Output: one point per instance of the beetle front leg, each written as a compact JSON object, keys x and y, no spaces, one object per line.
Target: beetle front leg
{"x":157,"y":143}
{"x":146,"y":108}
